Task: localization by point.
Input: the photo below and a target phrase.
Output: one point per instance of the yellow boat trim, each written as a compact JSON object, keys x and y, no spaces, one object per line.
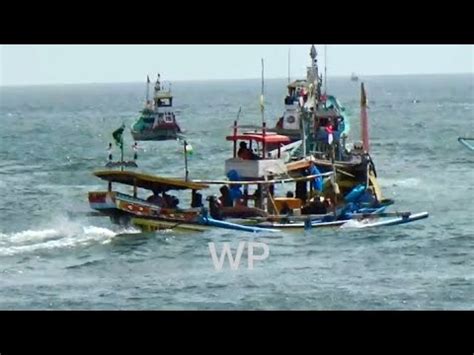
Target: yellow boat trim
{"x":148,"y":225}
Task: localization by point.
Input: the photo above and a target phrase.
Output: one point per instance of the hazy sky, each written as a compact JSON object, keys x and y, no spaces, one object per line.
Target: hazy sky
{"x":64,"y":64}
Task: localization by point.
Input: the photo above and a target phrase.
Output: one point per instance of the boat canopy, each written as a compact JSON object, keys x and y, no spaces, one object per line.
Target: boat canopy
{"x":149,"y":182}
{"x":259,"y":137}
{"x":298,"y":83}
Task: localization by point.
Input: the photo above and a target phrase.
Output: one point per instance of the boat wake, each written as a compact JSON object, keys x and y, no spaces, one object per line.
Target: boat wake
{"x":63,"y":236}
{"x":353,"y":224}
{"x":409,"y":182}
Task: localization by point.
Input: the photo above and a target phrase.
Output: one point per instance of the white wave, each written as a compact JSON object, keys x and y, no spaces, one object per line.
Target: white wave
{"x":352,"y":223}
{"x":54,"y":238}
{"x":409,"y":182}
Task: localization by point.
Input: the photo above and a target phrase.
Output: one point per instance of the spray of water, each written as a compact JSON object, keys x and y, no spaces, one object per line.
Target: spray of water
{"x":64,"y":233}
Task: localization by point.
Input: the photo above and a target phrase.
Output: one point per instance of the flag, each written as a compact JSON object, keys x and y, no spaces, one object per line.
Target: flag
{"x":188,"y":148}
{"x":363,"y":96}
{"x":262,"y":104}
{"x":117,"y":134}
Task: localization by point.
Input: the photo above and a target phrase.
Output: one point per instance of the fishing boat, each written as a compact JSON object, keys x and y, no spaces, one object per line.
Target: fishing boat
{"x":161,"y":210}
{"x":317,"y":201}
{"x":290,"y":124}
{"x":157,"y":121}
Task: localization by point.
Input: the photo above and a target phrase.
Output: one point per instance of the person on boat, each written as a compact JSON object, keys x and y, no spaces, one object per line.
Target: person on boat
{"x":214,"y":208}
{"x":156,"y":199}
{"x":225,"y":200}
{"x":315,"y":206}
{"x":170,"y":201}
{"x":245,"y":153}
{"x":368,"y":197}
{"x":196,"y":199}
{"x":286,"y":209}
{"x":317,"y":183}
{"x":290,"y":194}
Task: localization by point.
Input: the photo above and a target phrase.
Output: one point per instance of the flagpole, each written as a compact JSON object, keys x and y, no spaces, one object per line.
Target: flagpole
{"x":262,"y":108}
{"x":147,"y":89}
{"x":121,"y":158}
{"x":186,"y":161}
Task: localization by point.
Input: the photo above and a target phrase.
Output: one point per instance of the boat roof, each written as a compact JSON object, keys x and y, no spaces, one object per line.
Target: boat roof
{"x":298,"y":83}
{"x":163,"y":95}
{"x":149,"y":182}
{"x":260,"y":137}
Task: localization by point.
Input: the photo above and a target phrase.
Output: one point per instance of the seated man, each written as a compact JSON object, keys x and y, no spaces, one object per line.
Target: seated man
{"x":156,"y":199}
{"x":170,"y":201}
{"x":245,"y":153}
{"x":316,"y":206}
{"x":225,"y":200}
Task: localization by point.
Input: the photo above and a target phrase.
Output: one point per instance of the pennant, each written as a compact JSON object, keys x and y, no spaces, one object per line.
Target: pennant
{"x":117,"y":134}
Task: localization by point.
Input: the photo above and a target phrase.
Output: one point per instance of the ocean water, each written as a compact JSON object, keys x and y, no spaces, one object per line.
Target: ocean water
{"x":54,"y":256}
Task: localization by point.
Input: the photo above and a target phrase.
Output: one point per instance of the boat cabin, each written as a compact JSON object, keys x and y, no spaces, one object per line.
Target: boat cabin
{"x":251,"y":157}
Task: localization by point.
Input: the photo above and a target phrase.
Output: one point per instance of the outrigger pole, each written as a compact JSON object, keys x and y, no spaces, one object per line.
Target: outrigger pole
{"x":262,"y":182}
{"x":465,"y":142}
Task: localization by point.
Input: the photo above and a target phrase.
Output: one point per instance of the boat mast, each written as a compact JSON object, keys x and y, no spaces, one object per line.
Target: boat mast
{"x":364,"y":119}
{"x":157,"y":102}
{"x":325,"y":69}
{"x":289,"y":64}
{"x":147,"y":89}
{"x":262,"y":106}
{"x":262,"y":109}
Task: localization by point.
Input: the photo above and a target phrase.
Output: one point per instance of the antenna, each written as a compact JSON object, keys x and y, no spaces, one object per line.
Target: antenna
{"x":262,"y":106}
{"x":147,"y":88}
{"x":325,"y":69}
{"x":289,"y":64}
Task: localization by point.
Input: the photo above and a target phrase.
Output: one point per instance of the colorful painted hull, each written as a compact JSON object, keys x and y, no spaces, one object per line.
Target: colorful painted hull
{"x":157,"y":134}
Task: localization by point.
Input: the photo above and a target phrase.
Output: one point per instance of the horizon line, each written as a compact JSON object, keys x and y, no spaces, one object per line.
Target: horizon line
{"x":361,"y":76}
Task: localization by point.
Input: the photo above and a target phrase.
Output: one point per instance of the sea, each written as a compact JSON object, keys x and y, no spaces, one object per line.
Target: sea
{"x":55,"y":255}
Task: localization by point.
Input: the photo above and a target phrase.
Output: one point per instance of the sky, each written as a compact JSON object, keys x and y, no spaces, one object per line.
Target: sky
{"x":71,"y":64}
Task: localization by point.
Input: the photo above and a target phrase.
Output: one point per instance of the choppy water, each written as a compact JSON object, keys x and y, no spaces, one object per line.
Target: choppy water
{"x":52,"y":256}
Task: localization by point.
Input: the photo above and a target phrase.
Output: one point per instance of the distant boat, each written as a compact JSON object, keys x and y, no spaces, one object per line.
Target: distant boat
{"x":158,"y":120}
{"x":354,"y":77}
